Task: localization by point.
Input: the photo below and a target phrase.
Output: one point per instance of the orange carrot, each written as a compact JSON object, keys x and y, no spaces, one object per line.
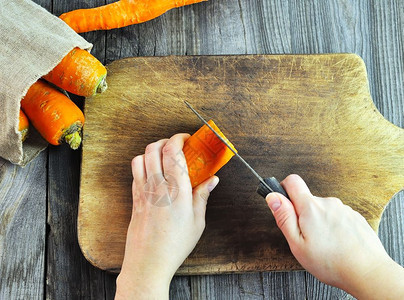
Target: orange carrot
{"x":205,"y":153}
{"x":53,"y":114}
{"x":119,"y":14}
{"x":23,"y":126}
{"x":79,"y":73}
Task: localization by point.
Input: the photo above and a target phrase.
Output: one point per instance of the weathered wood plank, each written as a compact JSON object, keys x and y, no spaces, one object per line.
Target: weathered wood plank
{"x":387,"y":38}
{"x":22,"y":229}
{"x":391,"y":230}
{"x":387,"y":86}
{"x":215,"y":287}
{"x":320,"y":291}
{"x":180,"y":288}
{"x":266,"y":26}
{"x":68,"y":274}
{"x":284,"y":285}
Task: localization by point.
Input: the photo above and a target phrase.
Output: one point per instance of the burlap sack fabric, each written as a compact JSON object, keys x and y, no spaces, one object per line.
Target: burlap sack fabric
{"x":32,"y":43}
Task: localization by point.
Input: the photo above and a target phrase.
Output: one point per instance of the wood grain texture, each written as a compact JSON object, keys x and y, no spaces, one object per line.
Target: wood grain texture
{"x":295,"y":281}
{"x":372,"y":29}
{"x":64,"y":258}
{"x":22,"y":229}
{"x":68,"y":274}
{"x":310,"y":115}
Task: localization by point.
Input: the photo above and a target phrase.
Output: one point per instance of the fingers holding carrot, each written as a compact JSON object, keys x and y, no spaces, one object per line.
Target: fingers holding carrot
{"x":205,"y":153}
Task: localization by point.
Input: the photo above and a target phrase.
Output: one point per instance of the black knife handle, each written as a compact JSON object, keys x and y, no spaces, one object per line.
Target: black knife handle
{"x":273,"y":184}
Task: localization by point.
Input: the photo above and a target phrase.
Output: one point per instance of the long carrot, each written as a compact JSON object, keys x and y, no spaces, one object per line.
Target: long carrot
{"x":23,"y":125}
{"x":80,"y":73}
{"x":53,"y":114}
{"x":119,"y":14}
{"x":205,"y":153}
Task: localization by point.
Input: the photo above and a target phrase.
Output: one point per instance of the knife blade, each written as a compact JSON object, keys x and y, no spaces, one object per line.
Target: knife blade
{"x":267,"y":185}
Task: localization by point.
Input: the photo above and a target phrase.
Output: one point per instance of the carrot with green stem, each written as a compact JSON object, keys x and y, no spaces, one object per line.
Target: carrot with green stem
{"x":205,"y":153}
{"x":53,"y":114}
{"x":23,"y":125}
{"x":119,"y":14}
{"x":79,"y":73}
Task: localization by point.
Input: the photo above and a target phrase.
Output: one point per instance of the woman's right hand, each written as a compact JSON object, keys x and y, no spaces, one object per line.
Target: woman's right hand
{"x":335,"y":243}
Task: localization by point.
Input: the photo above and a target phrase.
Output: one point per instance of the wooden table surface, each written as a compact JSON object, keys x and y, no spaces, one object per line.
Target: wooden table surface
{"x":40,"y":257}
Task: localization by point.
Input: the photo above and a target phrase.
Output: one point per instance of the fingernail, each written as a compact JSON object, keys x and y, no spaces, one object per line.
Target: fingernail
{"x":213,"y":183}
{"x":273,"y":202}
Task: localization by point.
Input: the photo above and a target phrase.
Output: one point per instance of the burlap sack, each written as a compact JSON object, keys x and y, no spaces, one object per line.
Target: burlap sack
{"x":32,"y":43}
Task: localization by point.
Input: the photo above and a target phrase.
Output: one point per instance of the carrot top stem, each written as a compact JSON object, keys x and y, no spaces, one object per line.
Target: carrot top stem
{"x":102,"y":85}
{"x":52,"y":113}
{"x":73,"y":139}
{"x":72,"y":135}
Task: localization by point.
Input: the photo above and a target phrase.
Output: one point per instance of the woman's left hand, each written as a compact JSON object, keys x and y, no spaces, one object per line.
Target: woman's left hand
{"x":168,"y":218}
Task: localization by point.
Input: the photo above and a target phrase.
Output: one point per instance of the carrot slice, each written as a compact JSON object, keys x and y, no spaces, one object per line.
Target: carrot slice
{"x":205,"y":153}
{"x":23,"y":126}
{"x":79,"y":73}
{"x":119,"y":14}
{"x":53,"y":114}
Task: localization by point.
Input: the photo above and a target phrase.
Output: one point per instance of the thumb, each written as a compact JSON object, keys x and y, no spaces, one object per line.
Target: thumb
{"x":285,"y":216}
{"x":201,"y":194}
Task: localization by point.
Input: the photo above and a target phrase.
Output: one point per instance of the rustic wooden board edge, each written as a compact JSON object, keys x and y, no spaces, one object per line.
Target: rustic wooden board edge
{"x":399,"y":132}
{"x":396,"y":187}
{"x":231,"y":267}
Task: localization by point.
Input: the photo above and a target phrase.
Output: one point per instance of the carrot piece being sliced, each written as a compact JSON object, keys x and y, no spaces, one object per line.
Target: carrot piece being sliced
{"x":53,"y":114}
{"x":119,"y":14}
{"x":23,"y":125}
{"x":79,"y":73}
{"x":205,"y":153}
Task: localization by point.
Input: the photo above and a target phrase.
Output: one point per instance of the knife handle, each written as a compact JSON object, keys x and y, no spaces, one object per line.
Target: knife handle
{"x":273,"y":184}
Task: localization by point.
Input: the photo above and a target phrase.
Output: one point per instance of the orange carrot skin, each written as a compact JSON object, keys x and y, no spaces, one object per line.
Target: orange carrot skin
{"x":80,"y":73}
{"x":119,"y":14}
{"x":51,"y":112}
{"x":205,"y":153}
{"x":23,"y":125}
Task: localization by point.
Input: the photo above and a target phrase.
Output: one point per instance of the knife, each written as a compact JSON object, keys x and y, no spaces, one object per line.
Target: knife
{"x":266,"y":185}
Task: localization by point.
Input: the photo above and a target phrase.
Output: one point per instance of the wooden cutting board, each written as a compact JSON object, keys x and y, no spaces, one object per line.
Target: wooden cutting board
{"x":305,"y":114}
